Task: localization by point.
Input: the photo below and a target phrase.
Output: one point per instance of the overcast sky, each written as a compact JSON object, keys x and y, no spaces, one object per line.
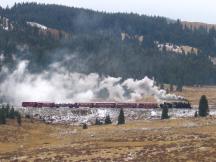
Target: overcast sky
{"x":190,"y":10}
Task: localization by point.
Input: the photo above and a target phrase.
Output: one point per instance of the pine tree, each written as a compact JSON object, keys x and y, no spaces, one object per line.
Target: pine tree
{"x":121,"y":118}
{"x":171,"y":88}
{"x":179,"y":87}
{"x":162,"y":86}
{"x":12,"y":113}
{"x":157,"y":84}
{"x":164,"y":48}
{"x":2,"y":117}
{"x":203,"y":106}
{"x":7,"y":110}
{"x":196,"y":114}
{"x":167,"y":90}
{"x":164,"y":114}
{"x":97,"y":122}
{"x":19,"y":119}
{"x":108,"y":120}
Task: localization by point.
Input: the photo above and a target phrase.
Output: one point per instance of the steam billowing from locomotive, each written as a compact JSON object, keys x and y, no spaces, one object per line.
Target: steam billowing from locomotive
{"x":60,"y":85}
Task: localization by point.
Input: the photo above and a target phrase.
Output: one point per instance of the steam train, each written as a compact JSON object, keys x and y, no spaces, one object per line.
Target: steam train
{"x":143,"y":105}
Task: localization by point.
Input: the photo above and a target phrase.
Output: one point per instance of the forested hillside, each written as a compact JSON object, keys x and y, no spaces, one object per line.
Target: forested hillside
{"x":119,"y":44}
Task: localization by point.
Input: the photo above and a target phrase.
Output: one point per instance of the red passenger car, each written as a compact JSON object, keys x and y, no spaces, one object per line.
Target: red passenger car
{"x":90,"y":105}
{"x":105,"y":105}
{"x":29,"y":104}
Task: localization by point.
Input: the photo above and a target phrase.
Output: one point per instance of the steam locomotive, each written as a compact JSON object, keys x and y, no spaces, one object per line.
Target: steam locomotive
{"x":177,"y":105}
{"x":143,"y":105}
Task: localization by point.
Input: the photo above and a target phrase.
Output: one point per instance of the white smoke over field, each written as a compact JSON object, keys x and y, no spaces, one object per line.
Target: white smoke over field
{"x":59,"y":85}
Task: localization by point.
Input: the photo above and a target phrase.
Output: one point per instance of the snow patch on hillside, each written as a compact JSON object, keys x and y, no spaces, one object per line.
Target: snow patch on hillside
{"x":2,"y":57}
{"x":213,"y":60}
{"x":37,"y":25}
{"x":182,"y":49}
{"x":5,"y":24}
{"x":126,"y":36}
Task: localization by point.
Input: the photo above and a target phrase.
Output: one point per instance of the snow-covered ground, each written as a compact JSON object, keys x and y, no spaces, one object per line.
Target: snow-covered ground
{"x":37,"y":25}
{"x":85,"y":115}
{"x":5,"y":24}
{"x":175,"y":48}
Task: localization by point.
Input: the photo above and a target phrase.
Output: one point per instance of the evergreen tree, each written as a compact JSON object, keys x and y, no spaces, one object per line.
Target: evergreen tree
{"x":171,"y":88}
{"x":203,"y":106}
{"x":108,"y":120}
{"x":167,"y":90}
{"x":19,"y":119}
{"x":164,"y":48}
{"x":97,"y":122}
{"x":2,"y":117}
{"x":12,"y":113}
{"x":162,"y":86}
{"x":16,"y":113}
{"x":196,"y":114}
{"x":128,"y":57}
{"x":157,"y":84}
{"x":179,"y":87}
{"x":7,"y":108}
{"x":121,"y":118}
{"x":164,"y":114}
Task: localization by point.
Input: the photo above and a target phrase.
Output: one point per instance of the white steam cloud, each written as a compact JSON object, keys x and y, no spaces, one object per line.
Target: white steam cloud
{"x":59,"y":85}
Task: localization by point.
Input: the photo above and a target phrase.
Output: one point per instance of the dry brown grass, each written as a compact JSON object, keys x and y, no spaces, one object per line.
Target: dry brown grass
{"x":196,"y":25}
{"x":193,"y":94}
{"x":188,"y":139}
{"x":151,"y":140}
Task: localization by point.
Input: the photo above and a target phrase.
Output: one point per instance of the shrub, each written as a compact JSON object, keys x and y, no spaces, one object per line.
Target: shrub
{"x":85,"y":126}
{"x":108,"y":120}
{"x":27,"y":116}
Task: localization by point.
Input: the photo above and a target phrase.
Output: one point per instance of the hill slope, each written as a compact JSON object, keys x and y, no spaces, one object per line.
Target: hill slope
{"x":90,"y":41}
